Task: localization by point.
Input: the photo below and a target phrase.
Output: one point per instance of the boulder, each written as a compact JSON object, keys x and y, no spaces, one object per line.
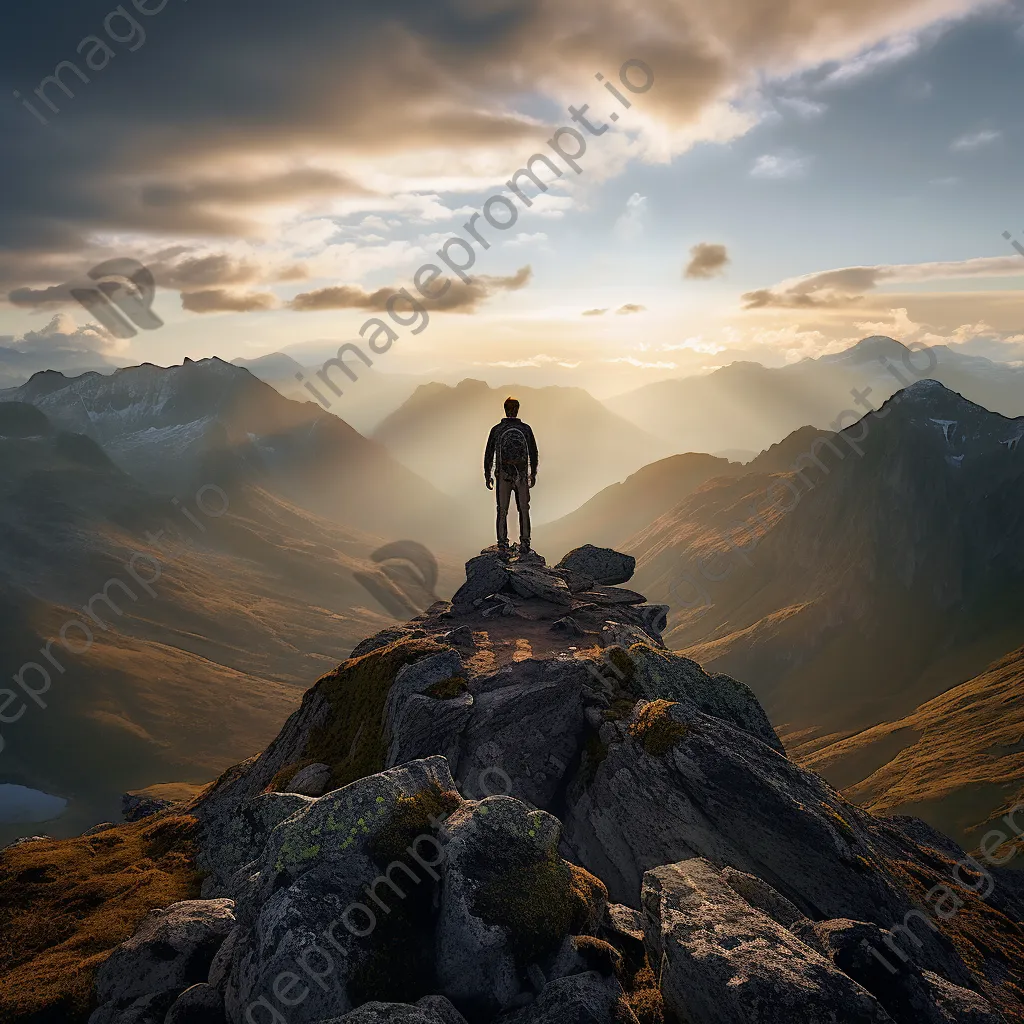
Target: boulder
{"x":200,"y":1004}
{"x":485,"y":575}
{"x":581,"y":999}
{"x":342,"y":898}
{"x":429,"y":1010}
{"x":652,"y":617}
{"x":871,"y":956}
{"x":663,"y":675}
{"x":508,"y":901}
{"x":103,"y":826}
{"x":761,"y":896}
{"x":602,"y":565}
{"x":575,"y":581}
{"x":136,"y":806}
{"x":611,"y":596}
{"x":170,"y":951}
{"x":720,"y":961}
{"x":532,"y":581}
{"x":427,"y":709}
{"x":525,"y":731}
{"x":311,"y":780}
{"x":675,"y":783}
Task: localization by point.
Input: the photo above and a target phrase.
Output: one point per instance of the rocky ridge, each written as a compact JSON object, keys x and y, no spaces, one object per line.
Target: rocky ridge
{"x":520,"y":807}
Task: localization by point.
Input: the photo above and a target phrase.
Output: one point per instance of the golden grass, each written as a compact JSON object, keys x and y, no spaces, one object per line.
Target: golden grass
{"x":65,"y":904}
{"x":656,"y":729}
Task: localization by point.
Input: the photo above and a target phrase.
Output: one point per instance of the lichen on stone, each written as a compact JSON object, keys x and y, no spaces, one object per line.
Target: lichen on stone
{"x":655,"y":728}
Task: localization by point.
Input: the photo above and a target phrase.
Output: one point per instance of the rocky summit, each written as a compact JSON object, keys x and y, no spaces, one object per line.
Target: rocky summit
{"x":520,"y":807}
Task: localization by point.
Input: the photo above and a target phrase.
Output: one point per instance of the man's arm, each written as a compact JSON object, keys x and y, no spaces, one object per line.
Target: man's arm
{"x":534,"y":458}
{"x":489,"y":452}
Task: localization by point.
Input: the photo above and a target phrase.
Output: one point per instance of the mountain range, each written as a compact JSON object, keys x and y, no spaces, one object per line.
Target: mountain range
{"x":440,"y":433}
{"x":248,"y":590}
{"x":749,"y":406}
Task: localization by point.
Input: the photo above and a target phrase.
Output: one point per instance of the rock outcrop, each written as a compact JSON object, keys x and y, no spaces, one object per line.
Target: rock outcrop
{"x":521,"y":808}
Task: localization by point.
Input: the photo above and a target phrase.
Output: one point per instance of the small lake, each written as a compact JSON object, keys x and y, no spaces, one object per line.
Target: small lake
{"x":21,"y":805}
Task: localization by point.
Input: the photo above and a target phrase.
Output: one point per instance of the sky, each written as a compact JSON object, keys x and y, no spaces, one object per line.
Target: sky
{"x":789,"y":176}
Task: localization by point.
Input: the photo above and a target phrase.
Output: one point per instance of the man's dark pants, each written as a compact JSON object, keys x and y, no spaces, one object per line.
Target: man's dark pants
{"x":504,"y":487}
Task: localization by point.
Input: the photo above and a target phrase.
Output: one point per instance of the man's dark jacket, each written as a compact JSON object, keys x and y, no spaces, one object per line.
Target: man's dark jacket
{"x":493,"y":449}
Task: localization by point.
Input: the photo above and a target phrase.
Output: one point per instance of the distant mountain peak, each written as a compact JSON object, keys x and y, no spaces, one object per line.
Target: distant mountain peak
{"x":869,"y":350}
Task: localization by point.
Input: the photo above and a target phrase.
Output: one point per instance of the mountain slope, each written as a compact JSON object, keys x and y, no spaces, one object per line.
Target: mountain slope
{"x":183,"y":639}
{"x":209,"y":422}
{"x":854,"y":588}
{"x":441,"y":431}
{"x":957,"y":760}
{"x":620,"y":510}
{"x":746,"y":405}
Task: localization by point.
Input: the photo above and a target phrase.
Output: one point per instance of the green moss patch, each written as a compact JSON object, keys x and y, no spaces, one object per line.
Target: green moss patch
{"x":448,"y":688}
{"x":656,"y":729}
{"x":538,"y":901}
{"x":411,"y":818}
{"x":352,"y":740}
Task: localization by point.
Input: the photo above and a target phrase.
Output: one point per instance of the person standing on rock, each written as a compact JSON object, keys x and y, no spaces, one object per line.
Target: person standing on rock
{"x":511,"y":454}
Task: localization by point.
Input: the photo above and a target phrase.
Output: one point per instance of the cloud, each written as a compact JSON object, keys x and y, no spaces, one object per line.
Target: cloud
{"x":180,"y":268}
{"x":975,"y":140}
{"x":631,"y":222}
{"x":594,"y":312}
{"x":630,"y":307}
{"x":890,"y":51}
{"x":770,"y":165}
{"x":523,"y":238}
{"x":802,"y":107}
{"x":707,"y":259}
{"x":459,"y":298}
{"x":847,"y":285}
{"x":352,"y":105}
{"x":60,"y":345}
{"x":640,"y":364}
{"x":220,"y":300}
{"x":63,"y":335}
{"x":533,"y":361}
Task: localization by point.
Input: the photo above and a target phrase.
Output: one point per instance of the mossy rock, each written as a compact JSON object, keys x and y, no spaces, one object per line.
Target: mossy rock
{"x":398,"y":965}
{"x":522,"y":884}
{"x":448,"y":689}
{"x":352,"y":740}
{"x":655,"y":727}
{"x":412,"y":818}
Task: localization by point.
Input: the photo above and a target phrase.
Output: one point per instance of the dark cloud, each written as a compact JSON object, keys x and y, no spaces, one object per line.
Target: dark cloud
{"x":707,"y":259}
{"x":594,"y":312}
{"x":168,"y":118}
{"x":460,"y":297}
{"x":830,"y":288}
{"x":630,"y":307}
{"x":220,"y":300}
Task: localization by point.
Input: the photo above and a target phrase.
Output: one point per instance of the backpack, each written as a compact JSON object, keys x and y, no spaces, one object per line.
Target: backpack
{"x":513,"y":451}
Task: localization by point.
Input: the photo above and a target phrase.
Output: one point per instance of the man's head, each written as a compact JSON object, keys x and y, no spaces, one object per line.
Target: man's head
{"x":511,"y":407}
